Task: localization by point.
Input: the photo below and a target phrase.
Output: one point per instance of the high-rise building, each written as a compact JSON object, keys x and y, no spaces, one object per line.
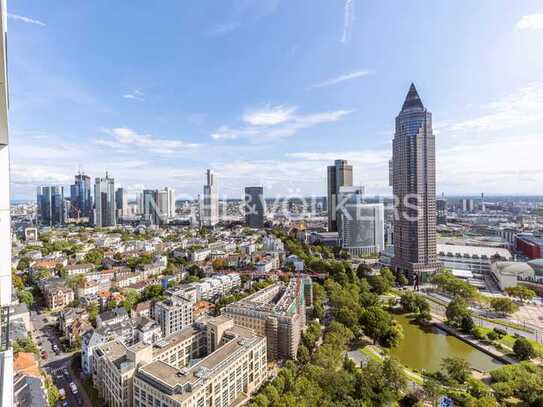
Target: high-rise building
{"x":414,"y":189}
{"x":81,"y":197}
{"x":339,"y":175}
{"x":6,"y":352}
{"x":362,"y":224}
{"x":121,"y":202}
{"x":151,"y":211}
{"x":467,"y":205}
{"x":441,"y":208}
{"x":163,"y":203}
{"x":254,"y":207}
{"x":104,"y":202}
{"x":171,"y":201}
{"x":50,"y":202}
{"x":209,"y":209}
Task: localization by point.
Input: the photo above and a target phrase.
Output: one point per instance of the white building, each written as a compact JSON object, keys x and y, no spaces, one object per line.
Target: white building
{"x":362,"y":225}
{"x":506,"y":273}
{"x":477,"y":259}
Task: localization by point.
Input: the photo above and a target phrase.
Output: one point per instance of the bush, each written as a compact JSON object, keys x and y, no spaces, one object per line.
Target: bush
{"x":478,"y":333}
{"x":500,"y":332}
{"x":492,"y":336}
{"x":523,"y":349}
{"x":467,"y":324}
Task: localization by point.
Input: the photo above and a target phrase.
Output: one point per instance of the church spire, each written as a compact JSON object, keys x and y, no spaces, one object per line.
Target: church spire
{"x":412,"y":100}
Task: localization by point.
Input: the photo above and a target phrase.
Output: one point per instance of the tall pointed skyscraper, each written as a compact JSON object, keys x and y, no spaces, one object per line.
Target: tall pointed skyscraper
{"x":414,"y":189}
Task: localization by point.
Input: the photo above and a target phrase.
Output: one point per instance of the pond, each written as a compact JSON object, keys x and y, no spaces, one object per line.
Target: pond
{"x":424,"y":348}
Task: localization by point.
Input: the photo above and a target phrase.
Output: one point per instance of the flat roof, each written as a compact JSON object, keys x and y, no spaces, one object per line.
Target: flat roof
{"x":471,"y":251}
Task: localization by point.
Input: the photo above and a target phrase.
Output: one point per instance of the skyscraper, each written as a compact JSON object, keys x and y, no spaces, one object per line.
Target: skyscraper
{"x":104,"y":202}
{"x":171,"y":201}
{"x":81,"y":197}
{"x":254,"y":207}
{"x":163,"y":203}
{"x":209,"y":209}
{"x":50,"y":202}
{"x":414,"y":189}
{"x":6,"y":352}
{"x":339,"y":175}
{"x":121,"y":202}
{"x":151,"y":210}
{"x":362,"y":224}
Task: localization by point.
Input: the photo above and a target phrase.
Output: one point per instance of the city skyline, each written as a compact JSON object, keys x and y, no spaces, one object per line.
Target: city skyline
{"x":166,"y":121}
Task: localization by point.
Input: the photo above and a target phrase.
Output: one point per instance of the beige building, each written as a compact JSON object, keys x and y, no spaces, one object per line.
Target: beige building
{"x":276,"y":312}
{"x":235,"y":367}
{"x":57,"y":296}
{"x":212,"y":363}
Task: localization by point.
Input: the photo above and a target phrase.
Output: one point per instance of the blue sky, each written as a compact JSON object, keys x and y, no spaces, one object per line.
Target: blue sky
{"x":270,"y":91}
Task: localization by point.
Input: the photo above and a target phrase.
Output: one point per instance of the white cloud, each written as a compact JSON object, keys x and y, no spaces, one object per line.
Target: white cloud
{"x":342,"y":78}
{"x":269,"y":115}
{"x":530,"y":22}
{"x":348,"y":17}
{"x":134,"y":95}
{"x":275,"y":123}
{"x":24,"y":19}
{"x":123,"y":138}
{"x":518,"y":109}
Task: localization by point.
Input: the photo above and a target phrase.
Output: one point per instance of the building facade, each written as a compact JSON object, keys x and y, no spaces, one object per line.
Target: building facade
{"x":414,"y":190}
{"x":362,"y":224}
{"x":105,"y":213}
{"x":209,"y":210}
{"x":121,"y":203}
{"x":81,"y":197}
{"x":276,"y":312}
{"x":338,"y":175}
{"x":254,"y":207}
{"x":50,"y":205}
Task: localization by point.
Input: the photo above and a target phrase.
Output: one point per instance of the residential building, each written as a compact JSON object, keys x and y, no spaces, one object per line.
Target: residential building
{"x":104,"y":202}
{"x":171,"y":201}
{"x":339,"y":175}
{"x":174,"y":313}
{"x":50,"y":202}
{"x":81,"y":197}
{"x":233,"y":367}
{"x":276,"y":312}
{"x":6,"y":351}
{"x":57,"y":295}
{"x":255,"y":207}
{"x":414,"y":190}
{"x":209,"y":209}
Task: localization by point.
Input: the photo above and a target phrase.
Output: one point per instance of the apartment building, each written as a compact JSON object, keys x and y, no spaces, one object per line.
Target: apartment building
{"x":174,"y":313}
{"x":57,"y":296}
{"x":233,"y":369}
{"x":228,"y":364}
{"x":276,"y":312}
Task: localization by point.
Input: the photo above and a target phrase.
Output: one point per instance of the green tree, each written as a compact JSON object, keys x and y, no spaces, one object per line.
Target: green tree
{"x":456,"y":310}
{"x":94,"y":256}
{"x":394,"y":375}
{"x":467,"y":324}
{"x":152,"y":292}
{"x":131,"y":298}
{"x":521,"y":292}
{"x":93,"y":310}
{"x":457,"y":369}
{"x":523,"y":349}
{"x":503,"y":305}
{"x":25,"y":297}
{"x":75,"y":281}
{"x":432,"y":390}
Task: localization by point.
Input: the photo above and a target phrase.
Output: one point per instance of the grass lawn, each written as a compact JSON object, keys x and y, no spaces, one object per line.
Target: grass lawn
{"x":508,"y":341}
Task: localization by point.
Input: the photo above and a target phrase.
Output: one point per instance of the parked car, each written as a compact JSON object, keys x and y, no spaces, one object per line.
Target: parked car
{"x":65,"y":372}
{"x":73,"y":387}
{"x":44,"y":355}
{"x":62,"y":393}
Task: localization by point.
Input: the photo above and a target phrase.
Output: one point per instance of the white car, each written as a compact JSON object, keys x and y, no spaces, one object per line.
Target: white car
{"x":73,"y":387}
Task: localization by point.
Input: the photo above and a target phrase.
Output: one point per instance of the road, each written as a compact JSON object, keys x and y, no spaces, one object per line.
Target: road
{"x":45,"y":334}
